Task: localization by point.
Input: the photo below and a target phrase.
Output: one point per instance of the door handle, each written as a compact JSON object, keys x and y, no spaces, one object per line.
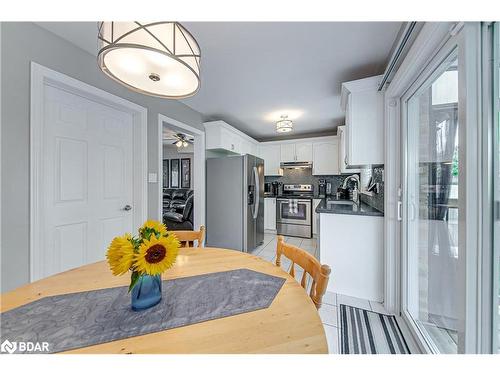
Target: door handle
{"x":257,"y":192}
{"x":127,"y":207}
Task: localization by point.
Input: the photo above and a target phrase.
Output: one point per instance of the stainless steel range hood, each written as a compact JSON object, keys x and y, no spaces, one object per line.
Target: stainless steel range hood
{"x":296,"y":164}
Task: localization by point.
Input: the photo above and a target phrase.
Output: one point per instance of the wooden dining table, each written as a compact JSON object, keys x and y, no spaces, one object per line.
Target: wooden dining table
{"x":291,"y":324}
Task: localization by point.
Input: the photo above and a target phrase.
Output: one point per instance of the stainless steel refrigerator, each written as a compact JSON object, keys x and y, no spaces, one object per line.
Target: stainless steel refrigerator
{"x":235,"y":202}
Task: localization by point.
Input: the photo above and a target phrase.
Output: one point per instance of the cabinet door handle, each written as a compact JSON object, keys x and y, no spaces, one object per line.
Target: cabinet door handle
{"x":345,"y":160}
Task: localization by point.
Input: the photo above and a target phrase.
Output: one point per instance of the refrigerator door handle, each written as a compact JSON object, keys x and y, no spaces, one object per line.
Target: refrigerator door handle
{"x":257,"y":193}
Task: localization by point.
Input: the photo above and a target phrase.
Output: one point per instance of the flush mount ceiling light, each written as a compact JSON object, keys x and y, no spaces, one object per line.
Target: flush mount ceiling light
{"x":157,"y":58}
{"x":284,"y":125}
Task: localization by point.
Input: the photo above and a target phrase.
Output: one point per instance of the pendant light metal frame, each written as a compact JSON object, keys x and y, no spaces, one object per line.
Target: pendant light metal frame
{"x":115,"y":44}
{"x":284,"y":123}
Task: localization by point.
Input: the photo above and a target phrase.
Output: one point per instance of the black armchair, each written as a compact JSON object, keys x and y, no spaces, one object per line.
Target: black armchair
{"x":176,"y":221}
{"x":175,"y":199}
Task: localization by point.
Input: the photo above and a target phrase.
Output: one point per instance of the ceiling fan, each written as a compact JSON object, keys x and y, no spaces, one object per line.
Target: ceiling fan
{"x":182,"y":140}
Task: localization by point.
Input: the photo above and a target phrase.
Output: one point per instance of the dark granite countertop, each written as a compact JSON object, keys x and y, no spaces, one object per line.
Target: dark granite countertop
{"x":315,"y":196}
{"x":346,"y":207}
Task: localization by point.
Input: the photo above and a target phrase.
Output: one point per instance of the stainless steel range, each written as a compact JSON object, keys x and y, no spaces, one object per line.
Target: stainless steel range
{"x":294,"y":211}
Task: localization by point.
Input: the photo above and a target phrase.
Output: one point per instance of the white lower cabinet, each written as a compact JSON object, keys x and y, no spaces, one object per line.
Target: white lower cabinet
{"x":270,"y":213}
{"x":353,"y":246}
{"x":315,"y":217}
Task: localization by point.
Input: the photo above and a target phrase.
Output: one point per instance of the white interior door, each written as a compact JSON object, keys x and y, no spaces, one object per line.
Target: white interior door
{"x":86,"y":181}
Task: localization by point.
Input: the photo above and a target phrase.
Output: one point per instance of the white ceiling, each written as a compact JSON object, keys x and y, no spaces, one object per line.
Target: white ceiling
{"x":252,"y":72}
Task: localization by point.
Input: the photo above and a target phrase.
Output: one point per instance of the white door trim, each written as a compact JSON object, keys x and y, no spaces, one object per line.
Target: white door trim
{"x":41,"y":76}
{"x":198,"y":171}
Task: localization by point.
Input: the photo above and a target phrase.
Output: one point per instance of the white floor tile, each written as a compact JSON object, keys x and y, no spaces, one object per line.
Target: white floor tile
{"x":328,"y":314}
{"x":285,"y":263}
{"x":298,"y":276}
{"x":268,"y":257}
{"x":332,"y":337}
{"x":309,"y":242}
{"x":293,"y":240}
{"x":270,"y":248}
{"x":353,"y":301}
{"x":378,"y":308}
{"x":330,"y":298}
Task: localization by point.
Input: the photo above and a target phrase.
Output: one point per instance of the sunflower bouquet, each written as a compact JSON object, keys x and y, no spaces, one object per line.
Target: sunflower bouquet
{"x":152,"y":252}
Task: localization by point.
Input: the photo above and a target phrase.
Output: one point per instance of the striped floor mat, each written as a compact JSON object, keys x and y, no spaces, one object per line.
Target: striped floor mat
{"x":367,"y":332}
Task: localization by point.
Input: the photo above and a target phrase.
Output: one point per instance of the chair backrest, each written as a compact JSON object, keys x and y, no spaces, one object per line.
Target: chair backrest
{"x":188,"y":237}
{"x":319,"y":273}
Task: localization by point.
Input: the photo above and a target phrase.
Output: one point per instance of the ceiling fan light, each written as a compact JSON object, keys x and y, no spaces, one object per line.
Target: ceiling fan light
{"x":185,"y":144}
{"x":178,"y":143}
{"x":156,"y":58}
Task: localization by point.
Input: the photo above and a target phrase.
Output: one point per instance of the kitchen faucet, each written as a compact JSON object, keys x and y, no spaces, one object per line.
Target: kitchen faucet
{"x":355,"y":192}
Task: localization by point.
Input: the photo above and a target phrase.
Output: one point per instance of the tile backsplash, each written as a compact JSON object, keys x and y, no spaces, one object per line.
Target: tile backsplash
{"x":376,"y":200}
{"x":304,"y":176}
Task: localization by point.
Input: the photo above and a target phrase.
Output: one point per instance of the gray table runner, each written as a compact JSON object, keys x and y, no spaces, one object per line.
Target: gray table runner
{"x":82,"y":319}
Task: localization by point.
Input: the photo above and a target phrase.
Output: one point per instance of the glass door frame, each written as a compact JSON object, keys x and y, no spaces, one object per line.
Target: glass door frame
{"x":463,"y":43}
{"x":495,"y":134}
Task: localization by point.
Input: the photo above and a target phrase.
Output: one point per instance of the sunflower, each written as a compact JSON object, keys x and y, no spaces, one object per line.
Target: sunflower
{"x":159,"y":229}
{"x":156,"y":255}
{"x":120,"y":254}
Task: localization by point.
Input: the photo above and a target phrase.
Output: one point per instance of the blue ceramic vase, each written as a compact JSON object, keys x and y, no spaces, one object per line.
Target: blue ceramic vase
{"x":146,"y":293}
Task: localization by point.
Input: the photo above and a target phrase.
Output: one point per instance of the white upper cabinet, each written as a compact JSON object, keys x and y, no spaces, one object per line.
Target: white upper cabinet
{"x":341,"y":133}
{"x":287,"y":152}
{"x":326,"y":157}
{"x":300,"y":152}
{"x":220,"y":136}
{"x":364,"y":128}
{"x":271,"y":155}
{"x":303,"y":151}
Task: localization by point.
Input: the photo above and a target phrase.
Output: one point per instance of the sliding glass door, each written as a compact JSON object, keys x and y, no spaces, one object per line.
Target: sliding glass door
{"x":450,"y":195}
{"x":432,"y":207}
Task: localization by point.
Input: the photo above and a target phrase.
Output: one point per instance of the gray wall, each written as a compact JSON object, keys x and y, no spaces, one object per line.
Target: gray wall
{"x":22,"y":43}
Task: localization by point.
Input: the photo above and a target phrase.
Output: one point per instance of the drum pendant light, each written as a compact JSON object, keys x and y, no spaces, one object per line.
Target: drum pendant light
{"x":157,"y":58}
{"x":284,"y":125}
